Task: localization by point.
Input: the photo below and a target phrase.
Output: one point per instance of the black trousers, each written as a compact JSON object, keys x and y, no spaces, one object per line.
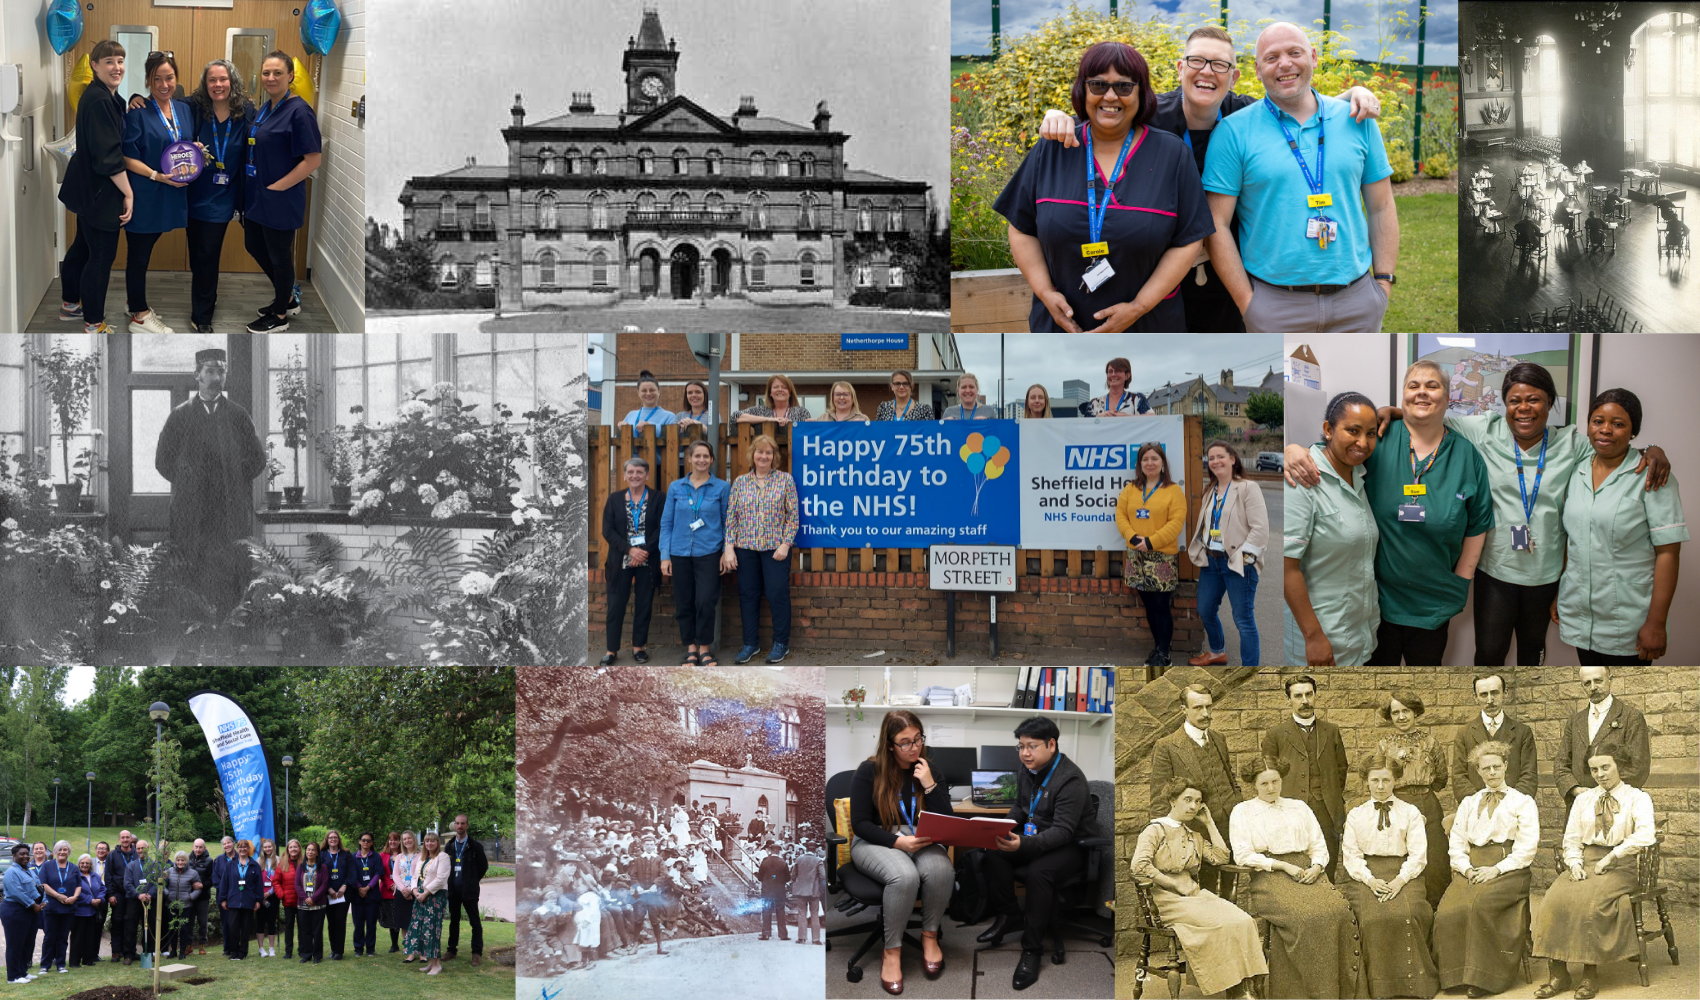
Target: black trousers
{"x":760,"y":575}
{"x":198,"y":913}
{"x":1044,"y":873}
{"x":241,"y":929}
{"x":1158,"y":613}
{"x":224,"y":933}
{"x":85,"y":940}
{"x":696,"y":599}
{"x":286,"y":924}
{"x":86,"y":271}
{"x":181,"y":938}
{"x":1417,"y":647}
{"x":115,"y":921}
{"x":771,"y":908}
{"x":138,"y":927}
{"x":1590,"y":658}
{"x":366,"y":926}
{"x":337,"y":917}
{"x":206,"y":245}
{"x":274,"y":251}
{"x":18,"y":924}
{"x":1209,"y":307}
{"x":140,"y":252}
{"x":1507,"y":609}
{"x":476,"y":922}
{"x":638,"y":584}
{"x":313,"y":932}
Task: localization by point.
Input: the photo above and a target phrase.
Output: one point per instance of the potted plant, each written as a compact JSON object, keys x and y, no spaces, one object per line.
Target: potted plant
{"x":274,"y":469}
{"x":295,"y":393}
{"x":69,"y":376}
{"x":337,"y":449}
{"x":83,"y":471}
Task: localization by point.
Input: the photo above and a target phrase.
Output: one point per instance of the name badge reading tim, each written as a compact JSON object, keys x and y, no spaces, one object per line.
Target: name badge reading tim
{"x":1320,"y":200}
{"x":1417,"y":490}
{"x":1094,"y":249}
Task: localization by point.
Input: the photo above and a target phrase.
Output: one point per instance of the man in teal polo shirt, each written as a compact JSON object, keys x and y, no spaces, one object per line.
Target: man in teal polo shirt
{"x":1317,"y":221}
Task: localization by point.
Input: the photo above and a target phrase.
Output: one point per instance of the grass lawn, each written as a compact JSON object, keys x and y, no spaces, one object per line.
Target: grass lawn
{"x":75,"y":835}
{"x":756,"y":319}
{"x":278,"y":979}
{"x":1426,"y":298}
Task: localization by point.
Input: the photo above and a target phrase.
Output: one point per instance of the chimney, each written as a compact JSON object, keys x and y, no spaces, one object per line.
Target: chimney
{"x":472,"y":161}
{"x":1228,"y":378}
{"x":581,"y":103}
{"x":518,"y":111}
{"x":823,"y":118}
{"x":746,"y":107}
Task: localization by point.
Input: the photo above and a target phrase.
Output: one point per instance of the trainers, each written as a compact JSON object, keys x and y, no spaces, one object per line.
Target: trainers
{"x":200,"y":327}
{"x":149,"y":324}
{"x":69,"y":313}
{"x":778,"y":652}
{"x":746,"y":654}
{"x":294,"y":305}
{"x":97,"y":328}
{"x":267,"y":323}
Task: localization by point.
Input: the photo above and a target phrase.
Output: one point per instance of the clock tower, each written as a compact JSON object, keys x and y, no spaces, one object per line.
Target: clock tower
{"x":650,"y":63}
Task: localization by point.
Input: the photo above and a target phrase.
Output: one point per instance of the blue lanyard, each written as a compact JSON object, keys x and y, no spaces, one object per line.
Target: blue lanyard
{"x":1530,"y":498}
{"x":241,"y":871}
{"x":1292,"y":144}
{"x":696,"y":495}
{"x":458,"y":848}
{"x":1145,"y":495}
{"x":1041,"y":792}
{"x":1216,"y":507}
{"x":634,"y":511}
{"x":1116,"y":408}
{"x":170,"y":123}
{"x":220,"y":145}
{"x":265,"y":110}
{"x":643,"y":419}
{"x":60,"y":870}
{"x":1094,"y":212}
{"x":906,"y":406}
{"x":976,"y":408}
{"x":1186,"y":133}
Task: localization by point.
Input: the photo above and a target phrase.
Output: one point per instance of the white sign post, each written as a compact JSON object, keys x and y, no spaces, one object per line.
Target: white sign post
{"x":989,"y":568}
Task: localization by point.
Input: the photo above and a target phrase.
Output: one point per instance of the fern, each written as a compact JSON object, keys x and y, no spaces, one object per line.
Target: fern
{"x":273,"y":563}
{"x":495,"y":552}
{"x":325,"y":551}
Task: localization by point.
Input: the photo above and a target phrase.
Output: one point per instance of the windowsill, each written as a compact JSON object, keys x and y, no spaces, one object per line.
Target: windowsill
{"x":324,"y":515}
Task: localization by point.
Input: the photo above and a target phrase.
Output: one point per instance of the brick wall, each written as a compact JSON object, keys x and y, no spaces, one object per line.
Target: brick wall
{"x":897,"y":612}
{"x":789,"y":352}
{"x":1541,"y":697}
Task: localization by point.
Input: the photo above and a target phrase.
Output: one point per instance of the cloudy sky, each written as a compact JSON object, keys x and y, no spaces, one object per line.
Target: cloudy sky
{"x":971,"y":21}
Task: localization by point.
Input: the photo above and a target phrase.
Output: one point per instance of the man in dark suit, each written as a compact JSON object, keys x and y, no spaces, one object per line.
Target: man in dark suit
{"x":774,"y":875}
{"x":466,"y":855}
{"x":1199,"y":754}
{"x":1491,"y":723}
{"x":1316,"y":757}
{"x":1605,"y":718}
{"x":649,"y":898}
{"x":118,"y":897}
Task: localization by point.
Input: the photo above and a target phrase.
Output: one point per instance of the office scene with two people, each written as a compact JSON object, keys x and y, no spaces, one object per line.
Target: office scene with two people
{"x":970,"y":811}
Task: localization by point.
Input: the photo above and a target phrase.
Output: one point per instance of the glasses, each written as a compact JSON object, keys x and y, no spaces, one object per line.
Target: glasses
{"x":899,"y":382}
{"x":919,"y":741}
{"x":1030,"y":747}
{"x":1122,"y":87}
{"x":1199,"y":62}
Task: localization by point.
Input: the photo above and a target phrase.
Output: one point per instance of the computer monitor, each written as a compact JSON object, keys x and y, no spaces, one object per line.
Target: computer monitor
{"x":952,"y":765}
{"x":999,"y":757}
{"x":994,"y":789}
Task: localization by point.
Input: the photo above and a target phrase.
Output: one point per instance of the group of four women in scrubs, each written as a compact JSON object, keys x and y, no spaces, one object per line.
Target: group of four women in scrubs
{"x":1391,"y":516}
{"x":255,"y":162}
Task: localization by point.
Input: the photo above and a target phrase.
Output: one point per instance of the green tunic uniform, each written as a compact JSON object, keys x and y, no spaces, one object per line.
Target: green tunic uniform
{"x":1330,"y":530}
{"x":1607,"y":589}
{"x":1415,"y":560}
{"x":1566,"y":448}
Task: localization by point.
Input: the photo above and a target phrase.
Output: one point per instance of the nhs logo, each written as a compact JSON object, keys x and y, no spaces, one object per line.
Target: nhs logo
{"x":1098,"y":456}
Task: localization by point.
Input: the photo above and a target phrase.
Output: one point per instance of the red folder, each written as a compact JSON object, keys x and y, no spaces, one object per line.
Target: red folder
{"x":963,"y":831}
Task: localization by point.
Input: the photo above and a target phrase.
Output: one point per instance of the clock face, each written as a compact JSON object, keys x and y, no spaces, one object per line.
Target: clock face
{"x":652,"y":86}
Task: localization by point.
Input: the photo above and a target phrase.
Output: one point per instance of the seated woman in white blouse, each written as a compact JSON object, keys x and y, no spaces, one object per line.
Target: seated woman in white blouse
{"x":1384,"y":849}
{"x":1483,"y":919}
{"x":1313,"y":940}
{"x":1586,"y":916}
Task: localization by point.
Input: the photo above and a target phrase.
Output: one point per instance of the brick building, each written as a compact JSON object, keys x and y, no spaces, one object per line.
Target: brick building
{"x":663,"y":198}
{"x":1224,"y":399}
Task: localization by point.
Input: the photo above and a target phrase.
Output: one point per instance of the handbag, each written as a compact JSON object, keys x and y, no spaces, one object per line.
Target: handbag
{"x":386,"y":915}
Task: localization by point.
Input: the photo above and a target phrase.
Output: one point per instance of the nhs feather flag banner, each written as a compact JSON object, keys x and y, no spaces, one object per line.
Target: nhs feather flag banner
{"x":1075,"y":469}
{"x":241,"y":764}
{"x":906,"y":484}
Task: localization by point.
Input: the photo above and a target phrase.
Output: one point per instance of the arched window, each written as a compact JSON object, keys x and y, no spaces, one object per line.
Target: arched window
{"x":546,"y":268}
{"x":782,"y":164}
{"x":481,"y":273}
{"x":599,"y":268}
{"x":598,"y":161}
{"x":894,"y":218}
{"x":806,"y":212}
{"x":894,"y":276}
{"x":758,"y":211}
{"x":646,"y":202}
{"x":761,"y":802}
{"x":758,"y":268}
{"x":1201,"y":404}
{"x":546,"y":213}
{"x":449,"y":276}
{"x":864,"y":276}
{"x":599,"y":211}
{"x":681,"y":162}
{"x":806,"y":165}
{"x":446,"y":217}
{"x":715,"y":203}
{"x":573,"y":165}
{"x":806,"y":268}
{"x":646,"y":161}
{"x":681,"y":202}
{"x":546,"y":157}
{"x":865,"y":216}
{"x":714,"y":163}
{"x":758,"y":165}
{"x":481,"y":212}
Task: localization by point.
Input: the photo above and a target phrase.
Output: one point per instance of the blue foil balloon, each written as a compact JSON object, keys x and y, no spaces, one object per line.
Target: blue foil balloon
{"x":320,"y":22}
{"x":64,"y":25}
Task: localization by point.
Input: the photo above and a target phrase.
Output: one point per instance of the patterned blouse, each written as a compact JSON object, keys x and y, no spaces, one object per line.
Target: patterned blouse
{"x":918,"y":411}
{"x":795,"y":414}
{"x":1423,"y":759}
{"x":762,"y":513}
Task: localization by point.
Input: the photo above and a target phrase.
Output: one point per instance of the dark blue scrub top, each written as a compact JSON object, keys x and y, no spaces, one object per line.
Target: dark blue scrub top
{"x":159,"y":207}
{"x":290,"y":131}
{"x":1157,"y":203}
{"x":210,"y":201}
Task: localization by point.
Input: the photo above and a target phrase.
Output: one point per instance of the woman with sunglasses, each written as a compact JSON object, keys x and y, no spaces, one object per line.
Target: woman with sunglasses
{"x":1105,"y":231}
{"x":903,"y":405}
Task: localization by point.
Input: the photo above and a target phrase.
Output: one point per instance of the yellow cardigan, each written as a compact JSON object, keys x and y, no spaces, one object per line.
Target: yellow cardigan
{"x":1163,"y":527}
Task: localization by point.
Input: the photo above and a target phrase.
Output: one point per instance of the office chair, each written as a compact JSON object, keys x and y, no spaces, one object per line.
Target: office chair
{"x":860,"y":891}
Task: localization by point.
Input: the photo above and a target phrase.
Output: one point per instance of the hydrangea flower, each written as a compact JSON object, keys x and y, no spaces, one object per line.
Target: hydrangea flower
{"x":12,"y":525}
{"x":428,"y":493}
{"x":413,"y":408}
{"x":465,"y":439}
{"x":476,"y":584}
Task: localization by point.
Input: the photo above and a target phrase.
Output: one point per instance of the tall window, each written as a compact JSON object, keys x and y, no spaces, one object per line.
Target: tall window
{"x":688,"y":722}
{"x":546,"y":269}
{"x":681,"y":202}
{"x":782,"y":164}
{"x":599,"y":268}
{"x":11,"y":398}
{"x":1661,"y":92}
{"x":546,"y":217}
{"x":450,"y":276}
{"x":646,"y":202}
{"x":1201,"y":403}
{"x":715,"y":203}
{"x":894,"y":276}
{"x":646,"y":161}
{"x":446,"y":217}
{"x":758,"y":165}
{"x":714,"y":163}
{"x":482,"y":272}
{"x":681,"y":162}
{"x":864,"y":276}
{"x":806,"y":268}
{"x":758,"y":268}
{"x":806,"y":165}
{"x":598,"y":211}
{"x":598,"y":161}
{"x":790,"y":730}
{"x":865,"y":217}
{"x":1543,"y":90}
{"x":378,"y":371}
{"x":806,"y":212}
{"x":481,"y":212}
{"x":547,"y":157}
{"x":894,"y":218}
{"x":573,"y":165}
{"x":758,"y":212}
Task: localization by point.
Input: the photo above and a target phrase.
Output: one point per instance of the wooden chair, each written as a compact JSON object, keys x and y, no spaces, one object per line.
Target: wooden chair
{"x":1647,"y":890}
{"x":1149,"y":924}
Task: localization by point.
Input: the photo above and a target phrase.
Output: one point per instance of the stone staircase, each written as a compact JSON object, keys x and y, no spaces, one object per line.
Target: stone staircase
{"x":733,"y":893}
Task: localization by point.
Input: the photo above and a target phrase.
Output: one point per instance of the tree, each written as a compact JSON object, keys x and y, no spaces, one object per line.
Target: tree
{"x":1266,"y":409}
{"x":33,"y":752}
{"x":1213,"y":426}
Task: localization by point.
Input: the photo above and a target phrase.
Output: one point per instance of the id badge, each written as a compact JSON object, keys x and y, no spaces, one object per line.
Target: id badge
{"x":457,"y":868}
{"x":1320,"y":200}
{"x":1520,"y":541}
{"x":1094,"y":249}
{"x":699,"y":522}
{"x":1416,"y":490}
{"x":1333,"y":231}
{"x":1142,"y":514}
{"x":1313,"y":228}
{"x":1216,"y":534}
{"x":637,"y":541}
{"x":221,"y":178}
{"x":1415,"y":512}
{"x":253,"y":171}
{"x":1030,"y":830}
{"x":1098,"y":274}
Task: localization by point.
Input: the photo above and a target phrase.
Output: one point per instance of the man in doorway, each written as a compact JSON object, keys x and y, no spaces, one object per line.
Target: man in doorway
{"x":1521,"y":769}
{"x":1200,"y":755}
{"x":469,"y":865}
{"x":1316,"y":756}
{"x":210,"y":454}
{"x":1053,"y":809}
{"x":1606,"y":717}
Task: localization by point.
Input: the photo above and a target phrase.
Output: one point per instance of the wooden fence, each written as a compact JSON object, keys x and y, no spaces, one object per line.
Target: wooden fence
{"x":663,"y":448}
{"x":997,"y":301}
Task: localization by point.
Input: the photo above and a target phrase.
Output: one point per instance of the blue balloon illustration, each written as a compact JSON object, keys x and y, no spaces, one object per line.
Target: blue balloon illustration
{"x":320,"y":23}
{"x":990,"y":446}
{"x":64,"y":25}
{"x":976,"y":463}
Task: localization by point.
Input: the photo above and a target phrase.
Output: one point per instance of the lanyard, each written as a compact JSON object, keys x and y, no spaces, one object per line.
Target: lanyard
{"x":1530,"y":498}
{"x":1186,"y":133}
{"x":241,"y":870}
{"x":1095,"y":213}
{"x":60,"y":870}
{"x":1145,"y":495}
{"x":1417,"y":477}
{"x":642,"y":419}
{"x":1118,"y":407}
{"x":459,"y":848}
{"x":1041,"y":792}
{"x":696,"y":495}
{"x":634,"y":511}
{"x":906,"y":406}
{"x":908,"y":811}
{"x":1216,"y":507}
{"x":170,"y":123}
{"x":336,"y":863}
{"x":269,"y":107}
{"x":1315,"y":183}
{"x":221,"y":144}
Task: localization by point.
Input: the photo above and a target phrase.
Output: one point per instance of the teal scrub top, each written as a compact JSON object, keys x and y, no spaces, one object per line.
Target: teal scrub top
{"x":1566,"y":447}
{"x":1607,"y":589}
{"x":1330,"y":530}
{"x":1414,"y":562}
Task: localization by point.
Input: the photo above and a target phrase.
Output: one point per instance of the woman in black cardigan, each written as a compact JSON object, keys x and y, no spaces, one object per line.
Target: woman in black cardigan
{"x":633,"y":557}
{"x":97,"y":189}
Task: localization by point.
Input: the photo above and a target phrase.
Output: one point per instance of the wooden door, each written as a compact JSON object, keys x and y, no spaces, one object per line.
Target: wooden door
{"x":196,"y":36}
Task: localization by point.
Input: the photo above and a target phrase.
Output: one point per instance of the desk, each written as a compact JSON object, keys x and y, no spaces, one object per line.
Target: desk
{"x":970,"y":809}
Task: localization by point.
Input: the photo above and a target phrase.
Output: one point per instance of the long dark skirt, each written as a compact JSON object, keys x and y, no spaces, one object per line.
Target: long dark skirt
{"x":1589,"y":921}
{"x":1314,"y":948}
{"x":1397,"y":961}
{"x":1438,"y":875}
{"x":1479,"y":930}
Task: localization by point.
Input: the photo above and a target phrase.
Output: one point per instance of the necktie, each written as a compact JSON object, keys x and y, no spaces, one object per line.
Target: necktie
{"x":1493,"y":729}
{"x":1382,"y":821}
{"x":1491,"y":801}
{"x":1605,"y":814}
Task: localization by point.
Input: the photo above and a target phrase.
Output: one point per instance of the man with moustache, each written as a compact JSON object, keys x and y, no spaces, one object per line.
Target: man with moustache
{"x":1521,"y":768}
{"x":1605,"y":718}
{"x":1316,"y":757}
{"x":1199,"y":754}
{"x":1295,"y":168}
{"x":1207,"y":74}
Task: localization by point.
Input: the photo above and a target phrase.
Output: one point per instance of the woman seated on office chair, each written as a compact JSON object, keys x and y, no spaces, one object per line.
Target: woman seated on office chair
{"x":887,"y":796}
{"x":1221,"y":942}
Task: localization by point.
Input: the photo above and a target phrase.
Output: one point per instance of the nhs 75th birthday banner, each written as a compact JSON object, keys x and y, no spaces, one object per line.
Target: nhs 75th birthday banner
{"x":241,"y":762}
